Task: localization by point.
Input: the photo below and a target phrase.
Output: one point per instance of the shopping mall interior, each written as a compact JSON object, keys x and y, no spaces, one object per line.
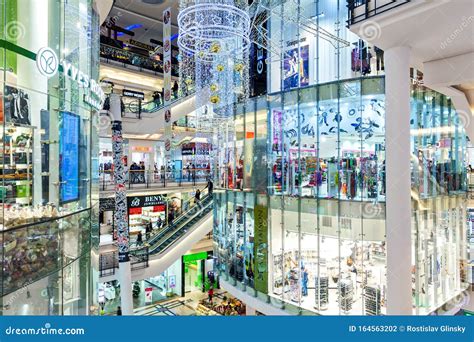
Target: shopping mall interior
{"x":237,"y":157}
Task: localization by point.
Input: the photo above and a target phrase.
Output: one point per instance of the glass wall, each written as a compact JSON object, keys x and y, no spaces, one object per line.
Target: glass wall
{"x":322,"y":224}
{"x":310,"y":237}
{"x":439,"y":185}
{"x":49,"y":101}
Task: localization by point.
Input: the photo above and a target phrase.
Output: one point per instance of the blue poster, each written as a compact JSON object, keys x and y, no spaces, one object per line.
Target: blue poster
{"x":69,"y":157}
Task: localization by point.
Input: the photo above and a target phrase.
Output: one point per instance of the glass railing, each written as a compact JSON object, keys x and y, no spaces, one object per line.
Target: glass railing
{"x":146,"y":179}
{"x":110,"y":53}
{"x":360,"y":10}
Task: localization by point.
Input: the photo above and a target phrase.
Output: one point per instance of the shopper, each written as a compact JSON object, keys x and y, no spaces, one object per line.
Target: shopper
{"x":188,"y":171}
{"x":139,"y":239}
{"x":175,"y":89}
{"x":159,"y":222}
{"x":148,"y":230}
{"x":193,"y":170}
{"x":197,"y":196}
{"x":157,"y":98}
{"x":210,"y":186}
{"x":304,"y":281}
{"x":119,"y":311}
{"x":210,"y":294}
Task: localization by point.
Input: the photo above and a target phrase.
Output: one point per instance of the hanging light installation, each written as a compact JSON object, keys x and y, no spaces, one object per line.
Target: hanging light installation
{"x":214,"y":41}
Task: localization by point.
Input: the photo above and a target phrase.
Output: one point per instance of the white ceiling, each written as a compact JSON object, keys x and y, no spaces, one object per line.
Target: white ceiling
{"x":130,"y":12}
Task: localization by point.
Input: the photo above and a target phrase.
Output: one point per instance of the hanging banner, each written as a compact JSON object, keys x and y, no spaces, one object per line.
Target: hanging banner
{"x":167,"y":79}
{"x":261,"y":248}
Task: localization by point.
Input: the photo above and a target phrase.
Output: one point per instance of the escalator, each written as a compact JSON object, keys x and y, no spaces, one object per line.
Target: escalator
{"x":168,"y":243}
{"x":150,"y":120}
{"x":180,"y":226}
{"x":152,"y":107}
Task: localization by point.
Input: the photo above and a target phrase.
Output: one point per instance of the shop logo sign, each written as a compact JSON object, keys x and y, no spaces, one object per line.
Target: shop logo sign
{"x":135,"y":202}
{"x":47,"y":62}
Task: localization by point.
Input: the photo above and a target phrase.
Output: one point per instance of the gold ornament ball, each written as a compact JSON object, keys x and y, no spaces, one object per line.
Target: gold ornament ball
{"x":238,"y":67}
{"x":220,"y":67}
{"x":214,"y":87}
{"x":215,"y":47}
{"x":215,"y":99}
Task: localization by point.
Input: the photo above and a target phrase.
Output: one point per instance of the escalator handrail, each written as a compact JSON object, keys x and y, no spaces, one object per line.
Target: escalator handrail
{"x":133,"y":105}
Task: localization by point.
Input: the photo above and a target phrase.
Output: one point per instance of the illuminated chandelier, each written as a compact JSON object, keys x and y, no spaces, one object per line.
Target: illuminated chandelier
{"x":209,"y":29}
{"x":214,"y":42}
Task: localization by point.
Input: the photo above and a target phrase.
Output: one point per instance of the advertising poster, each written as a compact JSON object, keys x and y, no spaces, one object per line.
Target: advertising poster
{"x":148,"y":295}
{"x":261,"y":248}
{"x":277,"y":130}
{"x":296,"y":68}
{"x":167,"y":78}
{"x":17,"y":106}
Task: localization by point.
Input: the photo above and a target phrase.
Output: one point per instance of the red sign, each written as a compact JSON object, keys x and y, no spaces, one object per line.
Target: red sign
{"x":135,"y":211}
{"x":159,"y":208}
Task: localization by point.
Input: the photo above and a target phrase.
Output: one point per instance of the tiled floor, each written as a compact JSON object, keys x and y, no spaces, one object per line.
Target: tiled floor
{"x":177,"y":307}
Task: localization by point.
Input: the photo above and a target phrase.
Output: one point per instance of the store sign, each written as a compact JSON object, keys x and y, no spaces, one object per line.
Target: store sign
{"x":195,"y":257}
{"x":258,"y":66}
{"x":48,"y":63}
{"x":141,"y":45}
{"x":188,"y":149}
{"x":142,"y":149}
{"x":146,"y":201}
{"x":132,"y":93}
{"x":107,"y":204}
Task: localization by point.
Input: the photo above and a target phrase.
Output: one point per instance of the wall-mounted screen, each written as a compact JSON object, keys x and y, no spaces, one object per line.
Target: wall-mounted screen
{"x":69,"y":157}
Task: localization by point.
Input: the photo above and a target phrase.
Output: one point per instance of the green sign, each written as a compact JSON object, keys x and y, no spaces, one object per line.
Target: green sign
{"x":261,"y":248}
{"x":195,"y":257}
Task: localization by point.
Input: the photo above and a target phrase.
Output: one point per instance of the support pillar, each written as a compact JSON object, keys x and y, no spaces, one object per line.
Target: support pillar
{"x":398,"y":181}
{"x":121,"y":215}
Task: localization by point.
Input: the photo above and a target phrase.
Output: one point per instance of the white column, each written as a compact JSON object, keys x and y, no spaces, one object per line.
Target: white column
{"x":32,"y":16}
{"x":121,"y":215}
{"x":398,"y":178}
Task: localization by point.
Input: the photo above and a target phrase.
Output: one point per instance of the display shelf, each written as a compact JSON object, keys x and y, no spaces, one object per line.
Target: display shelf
{"x":346,"y":294}
{"x":373,"y":302}
{"x":16,"y":166}
{"x":321,"y":292}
